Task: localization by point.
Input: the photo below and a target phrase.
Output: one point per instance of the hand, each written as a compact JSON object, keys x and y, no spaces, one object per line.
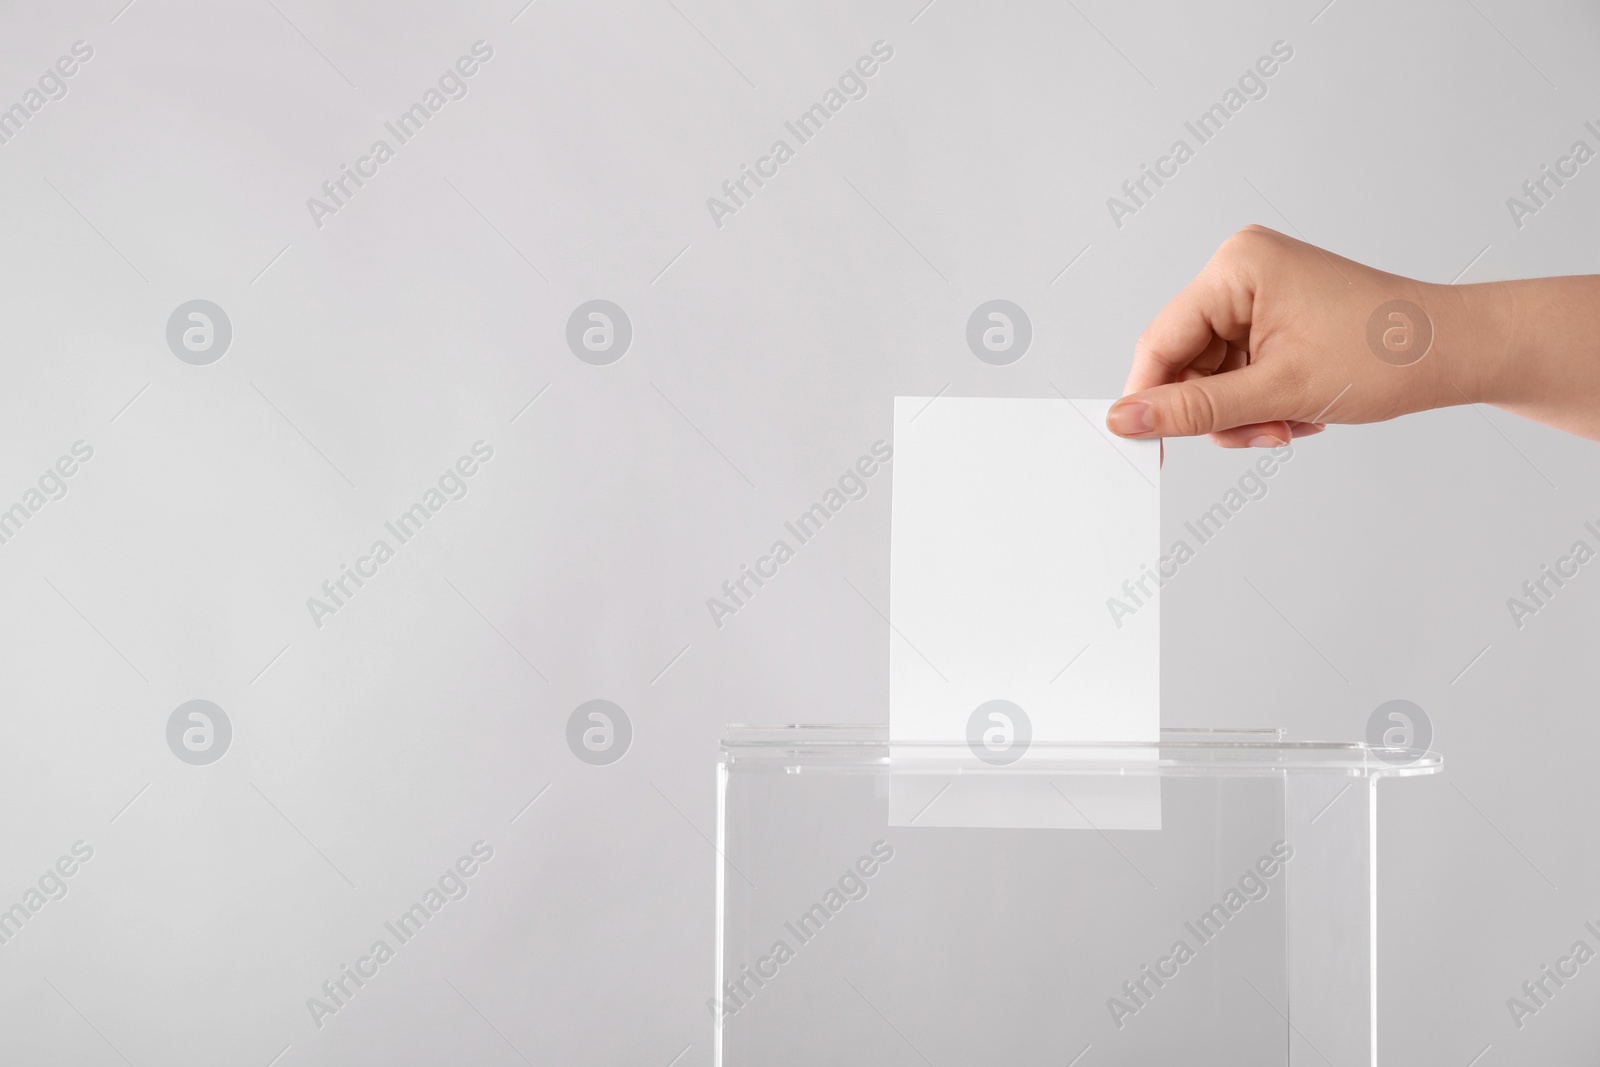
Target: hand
{"x":1276,"y":338}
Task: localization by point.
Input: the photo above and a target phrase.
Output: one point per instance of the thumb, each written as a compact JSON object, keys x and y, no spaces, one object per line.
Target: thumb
{"x":1199,"y":406}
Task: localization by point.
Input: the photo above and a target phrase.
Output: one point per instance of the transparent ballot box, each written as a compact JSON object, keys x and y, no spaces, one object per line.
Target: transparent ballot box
{"x":1208,"y":899}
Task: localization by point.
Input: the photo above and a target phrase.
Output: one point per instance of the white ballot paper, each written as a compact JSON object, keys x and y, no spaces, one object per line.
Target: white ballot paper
{"x":1024,"y":549}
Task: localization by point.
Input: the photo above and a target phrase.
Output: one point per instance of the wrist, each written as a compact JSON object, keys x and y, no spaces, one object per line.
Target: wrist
{"x":1533,"y":349}
{"x":1465,"y":329}
{"x":1478,"y":343}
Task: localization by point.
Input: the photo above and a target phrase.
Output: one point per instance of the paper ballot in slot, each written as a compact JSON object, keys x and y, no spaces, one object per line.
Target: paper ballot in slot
{"x":1015,"y":524}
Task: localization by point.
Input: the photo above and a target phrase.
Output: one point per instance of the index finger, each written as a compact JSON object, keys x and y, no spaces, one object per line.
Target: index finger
{"x":1217,"y":302}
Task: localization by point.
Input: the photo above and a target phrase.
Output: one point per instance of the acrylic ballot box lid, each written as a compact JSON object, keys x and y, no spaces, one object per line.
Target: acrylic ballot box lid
{"x":1210,"y":898}
{"x":1180,"y":751}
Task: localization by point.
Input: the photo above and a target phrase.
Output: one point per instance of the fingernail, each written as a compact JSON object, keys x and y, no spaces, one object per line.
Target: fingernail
{"x":1266,"y":441}
{"x":1130,"y":418}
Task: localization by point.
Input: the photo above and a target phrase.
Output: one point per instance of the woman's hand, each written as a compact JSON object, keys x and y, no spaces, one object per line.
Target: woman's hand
{"x":1275,"y":338}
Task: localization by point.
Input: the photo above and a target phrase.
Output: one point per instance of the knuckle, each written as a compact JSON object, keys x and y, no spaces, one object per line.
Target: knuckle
{"x":1193,"y":410}
{"x":1249,"y":242}
{"x":1149,"y":349}
{"x":1147,"y":345}
{"x":1247,"y":256}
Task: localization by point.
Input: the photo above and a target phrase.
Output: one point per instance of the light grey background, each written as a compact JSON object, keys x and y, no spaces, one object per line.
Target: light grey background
{"x":367,"y":355}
